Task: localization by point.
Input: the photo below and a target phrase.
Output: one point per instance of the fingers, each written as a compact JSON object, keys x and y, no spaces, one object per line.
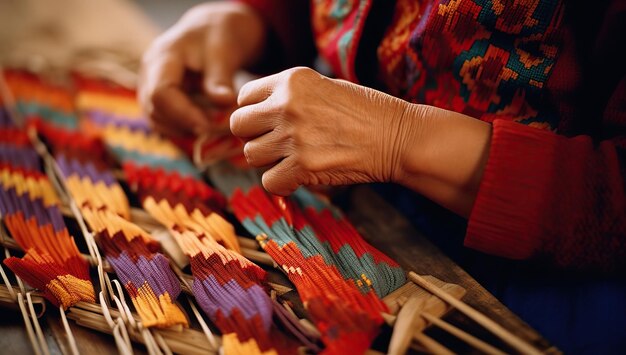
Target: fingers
{"x":266,"y":149}
{"x":283,"y":178}
{"x":258,"y":90}
{"x":220,"y":65}
{"x":167,"y":127}
{"x":162,"y":98}
{"x":176,"y":109}
{"x":252,"y":121}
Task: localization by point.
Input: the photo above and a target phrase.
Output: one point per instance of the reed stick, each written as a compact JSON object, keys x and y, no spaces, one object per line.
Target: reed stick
{"x":506,"y":336}
{"x":461,"y":334}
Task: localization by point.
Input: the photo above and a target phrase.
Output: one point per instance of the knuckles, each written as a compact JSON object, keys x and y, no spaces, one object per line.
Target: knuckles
{"x":248,"y":152}
{"x":309,"y":163}
{"x":299,"y":78}
{"x":237,"y":123}
{"x":292,"y":94}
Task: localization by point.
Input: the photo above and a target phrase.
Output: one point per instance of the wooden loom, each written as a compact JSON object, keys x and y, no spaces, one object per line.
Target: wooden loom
{"x":412,"y":308}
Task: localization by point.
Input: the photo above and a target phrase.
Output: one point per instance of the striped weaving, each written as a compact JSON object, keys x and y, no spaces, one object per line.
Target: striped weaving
{"x":331,"y":265}
{"x":30,"y":210}
{"x":228,"y":287}
{"x":323,"y":289}
{"x":339,"y":276}
{"x":145,"y":273}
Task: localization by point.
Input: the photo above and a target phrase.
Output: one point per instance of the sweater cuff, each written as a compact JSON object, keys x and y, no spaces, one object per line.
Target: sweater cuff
{"x":507,"y":216}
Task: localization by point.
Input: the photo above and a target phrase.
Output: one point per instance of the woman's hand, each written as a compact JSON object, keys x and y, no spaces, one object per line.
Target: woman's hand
{"x":313,"y":130}
{"x":214,"y":39}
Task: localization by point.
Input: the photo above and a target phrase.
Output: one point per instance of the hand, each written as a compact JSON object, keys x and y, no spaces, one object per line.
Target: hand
{"x":214,"y":39}
{"x":315,"y":130}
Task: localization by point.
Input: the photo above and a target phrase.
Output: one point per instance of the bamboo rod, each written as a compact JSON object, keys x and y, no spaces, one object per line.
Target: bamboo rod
{"x":508,"y":337}
{"x":431,"y":344}
{"x":29,"y":327}
{"x":461,"y":334}
{"x":68,"y":331}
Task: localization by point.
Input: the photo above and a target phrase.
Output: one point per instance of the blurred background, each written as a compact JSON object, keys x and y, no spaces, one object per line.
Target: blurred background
{"x":164,"y":13}
{"x":91,"y":36}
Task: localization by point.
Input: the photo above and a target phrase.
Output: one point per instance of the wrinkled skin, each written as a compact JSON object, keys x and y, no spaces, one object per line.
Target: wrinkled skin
{"x":305,"y":128}
{"x":313,"y":130}
{"x":214,"y":39}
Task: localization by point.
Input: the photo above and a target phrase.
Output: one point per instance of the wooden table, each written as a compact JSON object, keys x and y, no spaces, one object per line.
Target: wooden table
{"x":384,"y":227}
{"x":387,"y":229}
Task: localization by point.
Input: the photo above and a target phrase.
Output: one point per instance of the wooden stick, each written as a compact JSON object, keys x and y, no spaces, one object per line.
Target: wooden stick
{"x":33,"y":316}
{"x":259,"y":257}
{"x":187,"y":340}
{"x":29,"y":326}
{"x":508,"y":337}
{"x":8,"y":285}
{"x":431,"y":344}
{"x":68,"y":331}
{"x":466,"y":337}
{"x":205,"y":328}
{"x":162,"y":344}
{"x":405,"y":325}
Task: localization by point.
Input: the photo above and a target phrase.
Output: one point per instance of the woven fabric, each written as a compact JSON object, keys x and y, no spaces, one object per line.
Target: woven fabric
{"x":82,"y":161}
{"x":31,"y":211}
{"x":228,"y":287}
{"x":333,"y":268}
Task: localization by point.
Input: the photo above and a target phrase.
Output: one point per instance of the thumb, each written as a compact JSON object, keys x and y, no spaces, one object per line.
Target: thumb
{"x":220,"y":65}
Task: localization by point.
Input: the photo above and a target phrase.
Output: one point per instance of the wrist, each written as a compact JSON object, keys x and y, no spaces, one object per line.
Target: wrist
{"x":404,"y":158}
{"x":443,"y":156}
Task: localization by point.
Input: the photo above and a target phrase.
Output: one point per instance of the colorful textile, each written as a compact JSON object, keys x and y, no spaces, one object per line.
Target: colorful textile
{"x":323,"y":289}
{"x":30,"y":210}
{"x":552,"y":65}
{"x":228,"y":287}
{"x":335,"y":271}
{"x":82,"y":160}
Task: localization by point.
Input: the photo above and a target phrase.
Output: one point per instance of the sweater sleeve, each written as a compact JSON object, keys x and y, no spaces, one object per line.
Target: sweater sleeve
{"x":290,"y":37}
{"x":547,"y":195}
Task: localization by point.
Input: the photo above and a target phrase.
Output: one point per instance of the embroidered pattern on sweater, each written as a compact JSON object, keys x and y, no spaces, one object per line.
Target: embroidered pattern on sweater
{"x":486,"y":59}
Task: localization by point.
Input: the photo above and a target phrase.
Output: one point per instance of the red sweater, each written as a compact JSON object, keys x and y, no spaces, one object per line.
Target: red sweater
{"x":548,"y":74}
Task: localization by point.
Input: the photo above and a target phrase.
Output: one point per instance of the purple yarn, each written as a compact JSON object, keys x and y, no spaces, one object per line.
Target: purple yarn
{"x":4,"y":203}
{"x":11,"y":203}
{"x":212,"y":296}
{"x":71,"y":167}
{"x":9,"y":200}
{"x":5,"y":119}
{"x":156,"y":272}
{"x":19,"y":157}
{"x":159,"y":275}
{"x":102,"y":119}
{"x":103,"y":175}
{"x":56,"y":218}
{"x":39,"y":211}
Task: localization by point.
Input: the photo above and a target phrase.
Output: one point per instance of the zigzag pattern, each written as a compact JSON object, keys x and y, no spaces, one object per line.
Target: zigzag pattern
{"x":30,"y":210}
{"x":146,"y":275}
{"x":227,"y":286}
{"x":286,"y":235}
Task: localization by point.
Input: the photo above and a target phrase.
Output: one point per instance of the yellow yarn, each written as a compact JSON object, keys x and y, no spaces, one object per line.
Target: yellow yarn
{"x":126,"y":107}
{"x":232,"y":346}
{"x":69,"y":289}
{"x":159,"y":312}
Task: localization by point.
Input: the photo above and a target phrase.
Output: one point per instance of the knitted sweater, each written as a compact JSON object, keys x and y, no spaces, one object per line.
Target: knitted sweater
{"x":549,"y":76}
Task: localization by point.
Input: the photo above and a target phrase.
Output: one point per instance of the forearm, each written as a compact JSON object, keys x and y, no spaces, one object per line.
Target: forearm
{"x":444,"y":156}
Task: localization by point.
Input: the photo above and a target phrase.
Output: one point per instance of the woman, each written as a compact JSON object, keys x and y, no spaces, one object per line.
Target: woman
{"x":510,"y":114}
